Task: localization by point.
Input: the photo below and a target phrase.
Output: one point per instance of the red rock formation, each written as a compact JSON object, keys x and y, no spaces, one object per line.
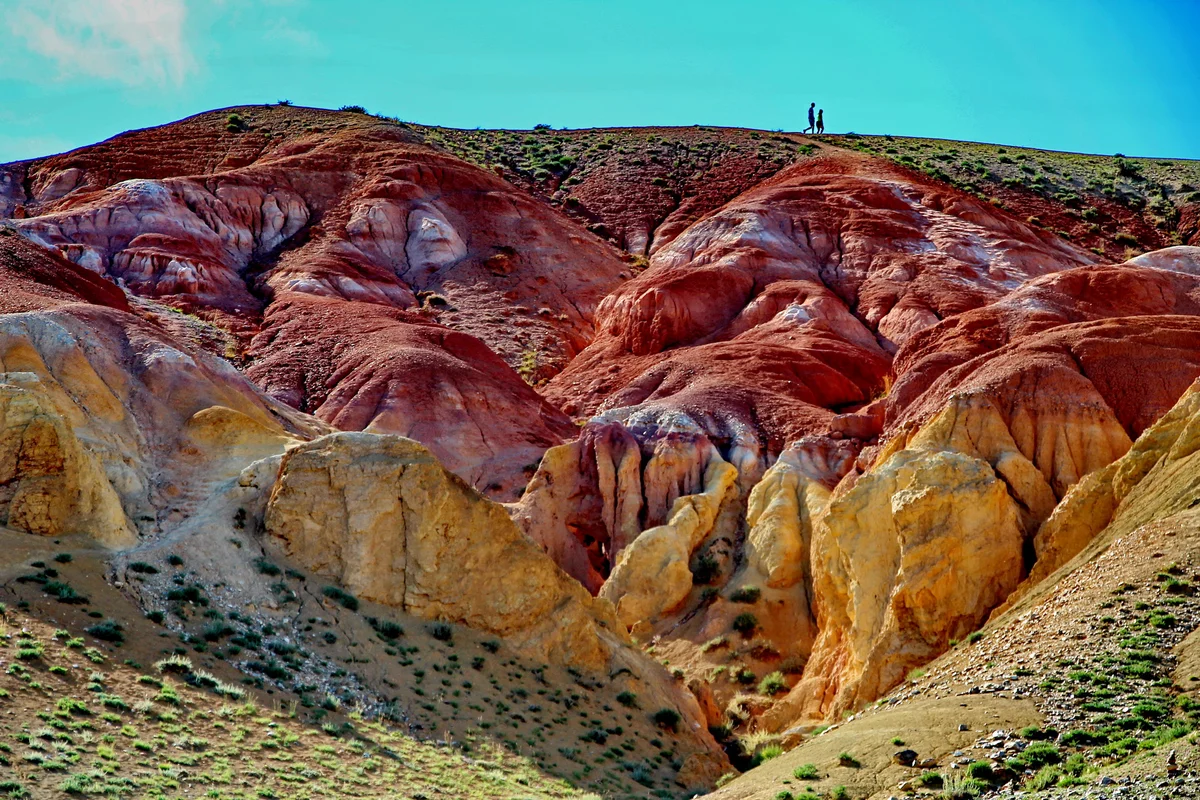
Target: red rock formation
{"x":1088,"y":323}
{"x":760,"y":318}
{"x":32,"y":278}
{"x":365,"y":366}
{"x":246,"y":228}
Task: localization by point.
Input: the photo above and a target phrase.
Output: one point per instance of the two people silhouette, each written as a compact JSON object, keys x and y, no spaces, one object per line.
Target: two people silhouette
{"x":816,"y":124}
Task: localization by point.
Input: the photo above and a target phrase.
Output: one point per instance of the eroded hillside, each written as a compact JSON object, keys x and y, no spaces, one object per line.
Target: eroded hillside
{"x":778,"y":421}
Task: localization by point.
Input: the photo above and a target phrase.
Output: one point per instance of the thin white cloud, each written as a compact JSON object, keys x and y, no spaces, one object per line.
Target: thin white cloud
{"x":126,"y":41}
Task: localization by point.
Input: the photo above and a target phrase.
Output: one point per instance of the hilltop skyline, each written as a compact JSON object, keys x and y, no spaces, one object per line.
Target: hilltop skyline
{"x":1032,"y":76}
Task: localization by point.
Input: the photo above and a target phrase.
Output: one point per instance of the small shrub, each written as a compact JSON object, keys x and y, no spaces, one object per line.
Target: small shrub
{"x":666,"y":718}
{"x":108,"y":631}
{"x":627,"y":699}
{"x":64,"y":593}
{"x":1045,"y":778}
{"x":265,"y":567}
{"x":441,"y":631}
{"x":772,"y":684}
{"x":63,"y":558}
{"x":187,"y":594}
{"x":177,"y":664}
{"x":386,"y":628}
{"x":767,"y":753}
{"x":745,"y":624}
{"x":746,"y":594}
{"x":847,"y":760}
{"x":355,"y":109}
{"x":156,"y":617}
{"x":1040,"y":754}
{"x":143,"y":568}
{"x":980,"y":770}
{"x":806,"y":772}
{"x":341,"y":597}
{"x":174,"y":560}
{"x":1082,"y":738}
{"x":706,"y":569}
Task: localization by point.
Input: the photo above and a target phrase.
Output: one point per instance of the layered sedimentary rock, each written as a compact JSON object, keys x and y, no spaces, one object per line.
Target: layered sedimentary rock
{"x":917,"y":553}
{"x":827,"y":428}
{"x":276,"y":229}
{"x":1155,"y":479}
{"x":745,"y":322}
{"x":33,"y":278}
{"x":379,"y":514}
{"x":119,"y":428}
{"x":392,"y":371}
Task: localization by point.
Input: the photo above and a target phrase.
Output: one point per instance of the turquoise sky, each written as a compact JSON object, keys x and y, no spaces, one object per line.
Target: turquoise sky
{"x":1098,"y":76}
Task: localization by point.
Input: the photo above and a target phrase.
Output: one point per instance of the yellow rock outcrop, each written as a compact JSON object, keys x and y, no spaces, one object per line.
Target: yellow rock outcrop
{"x":1039,"y":452}
{"x":1159,"y":476}
{"x":49,"y":484}
{"x":652,"y":576}
{"x":915,"y":554}
{"x":781,"y":512}
{"x":381,"y":516}
{"x":111,"y":429}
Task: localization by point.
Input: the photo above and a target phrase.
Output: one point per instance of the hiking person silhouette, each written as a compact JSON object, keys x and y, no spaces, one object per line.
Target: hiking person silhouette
{"x":821,"y":121}
{"x":812,"y":123}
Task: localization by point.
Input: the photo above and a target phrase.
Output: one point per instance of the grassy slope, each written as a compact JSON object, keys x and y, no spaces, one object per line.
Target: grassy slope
{"x":1110,"y":204}
{"x":1104,"y":655}
{"x":535,"y":730}
{"x":77,"y":720}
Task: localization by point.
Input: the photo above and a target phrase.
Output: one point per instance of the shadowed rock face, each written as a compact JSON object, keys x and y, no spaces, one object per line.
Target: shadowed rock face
{"x":833,"y":424}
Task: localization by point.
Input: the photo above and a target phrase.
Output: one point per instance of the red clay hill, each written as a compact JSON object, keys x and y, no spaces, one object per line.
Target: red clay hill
{"x":414,"y":280}
{"x":762,"y":393}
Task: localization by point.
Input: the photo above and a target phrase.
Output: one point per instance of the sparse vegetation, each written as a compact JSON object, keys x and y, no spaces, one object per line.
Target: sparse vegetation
{"x":341,"y":597}
{"x":745,"y":594}
{"x":745,"y":624}
{"x":667,"y":719}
